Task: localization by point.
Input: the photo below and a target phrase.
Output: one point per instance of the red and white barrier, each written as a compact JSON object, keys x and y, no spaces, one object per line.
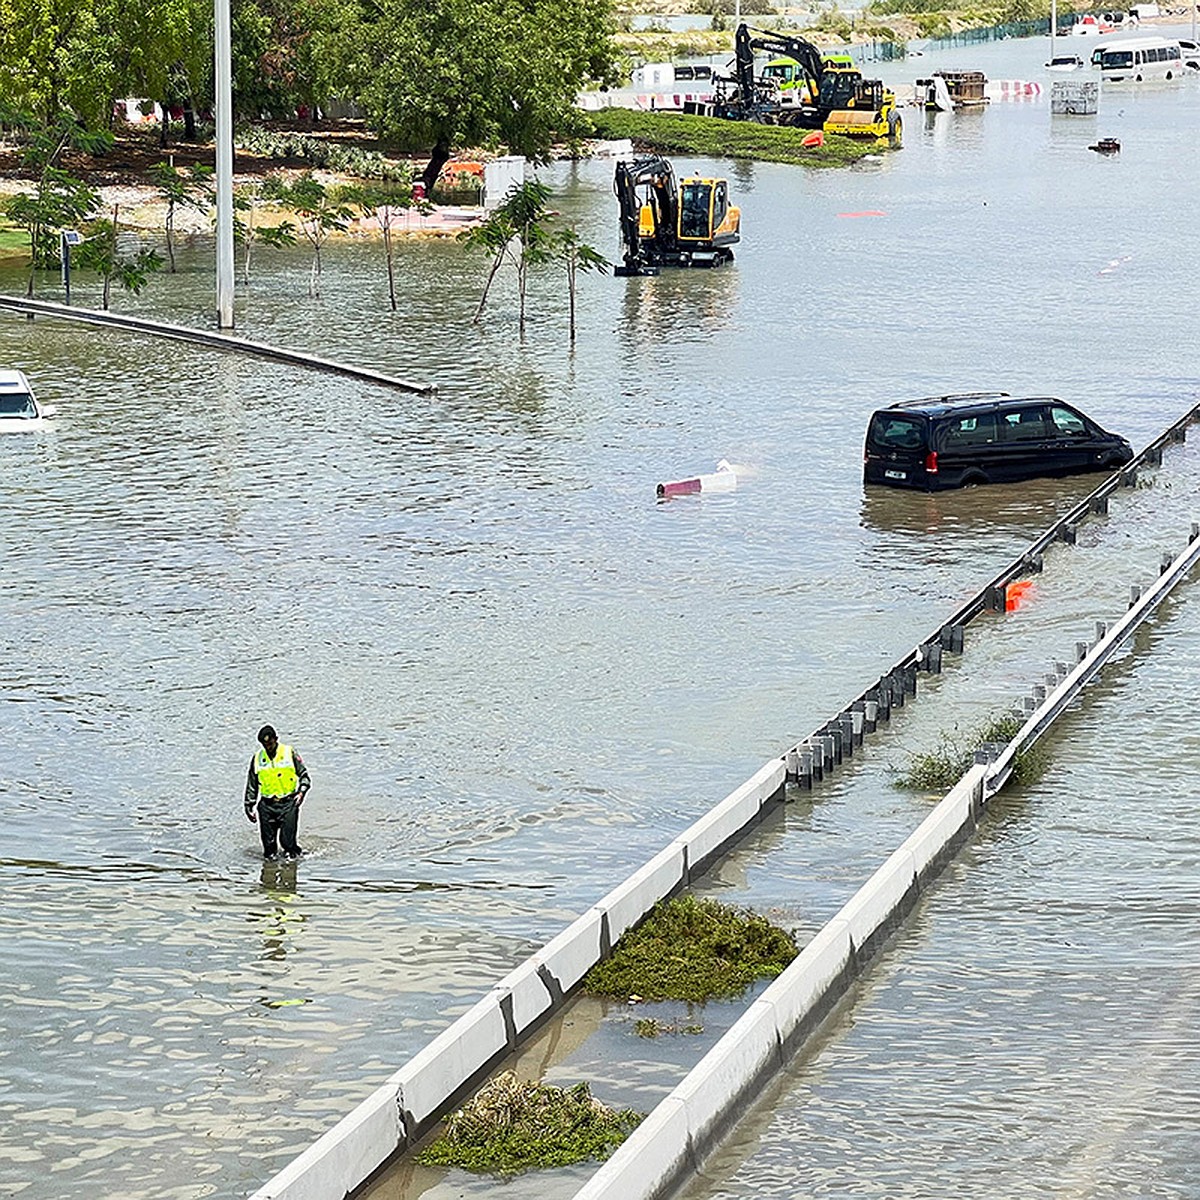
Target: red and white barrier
{"x":724,"y":479}
{"x":1013,"y":89}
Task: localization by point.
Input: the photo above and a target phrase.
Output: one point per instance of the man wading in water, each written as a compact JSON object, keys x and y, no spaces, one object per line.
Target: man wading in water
{"x":279,"y":780}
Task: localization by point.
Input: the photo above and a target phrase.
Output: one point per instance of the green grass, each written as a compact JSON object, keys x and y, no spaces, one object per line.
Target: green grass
{"x":13,"y":241}
{"x":511,"y":1126}
{"x":694,"y":950}
{"x":681,"y":133}
{"x":941,"y":768}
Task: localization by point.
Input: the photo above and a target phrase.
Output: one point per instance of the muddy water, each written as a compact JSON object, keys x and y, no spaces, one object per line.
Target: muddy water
{"x":513,"y":674}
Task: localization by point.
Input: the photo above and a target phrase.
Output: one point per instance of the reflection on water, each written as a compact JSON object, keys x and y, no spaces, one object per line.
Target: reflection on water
{"x":514,"y":674}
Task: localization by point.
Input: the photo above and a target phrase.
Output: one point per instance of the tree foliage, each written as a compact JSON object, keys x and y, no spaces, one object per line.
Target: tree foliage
{"x":449,"y":73}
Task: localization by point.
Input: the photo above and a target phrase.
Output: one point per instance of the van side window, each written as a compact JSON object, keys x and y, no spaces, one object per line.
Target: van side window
{"x":976,"y":430}
{"x":1066,"y":423}
{"x":1024,"y":425}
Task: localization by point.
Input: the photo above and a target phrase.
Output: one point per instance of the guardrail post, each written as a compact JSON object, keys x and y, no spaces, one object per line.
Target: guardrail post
{"x":871,"y":712}
{"x":994,"y":597}
{"x":1032,"y":562}
{"x":1164,"y":563}
{"x":791,"y":764}
{"x":1195,"y":531}
{"x":816,"y":750}
{"x":1135,"y":594}
{"x":933,"y":658}
{"x":1129,"y":477}
{"x":858,"y":724}
{"x":845,"y":728}
{"x":1066,"y":533}
{"x":805,"y":773}
{"x":1081,"y":651}
{"x":1098,"y":504}
{"x":1101,"y":630}
{"x":885,"y":700}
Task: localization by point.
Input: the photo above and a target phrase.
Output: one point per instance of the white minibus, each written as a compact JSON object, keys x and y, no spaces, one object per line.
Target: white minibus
{"x":1140,"y":59}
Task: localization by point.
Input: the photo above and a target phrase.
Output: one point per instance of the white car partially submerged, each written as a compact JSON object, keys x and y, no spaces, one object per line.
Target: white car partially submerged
{"x":19,"y":410}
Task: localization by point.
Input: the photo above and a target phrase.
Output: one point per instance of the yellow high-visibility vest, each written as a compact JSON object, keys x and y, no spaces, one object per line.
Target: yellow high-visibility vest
{"x":276,"y":777}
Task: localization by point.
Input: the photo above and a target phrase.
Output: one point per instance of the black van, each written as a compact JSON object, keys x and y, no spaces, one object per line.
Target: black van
{"x":984,"y":437}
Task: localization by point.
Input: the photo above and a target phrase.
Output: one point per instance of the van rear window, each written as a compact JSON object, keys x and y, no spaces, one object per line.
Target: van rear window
{"x":896,"y":432}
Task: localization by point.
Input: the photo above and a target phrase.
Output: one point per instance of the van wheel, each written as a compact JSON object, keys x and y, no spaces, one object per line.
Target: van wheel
{"x":973,"y":478}
{"x":1169,"y":76}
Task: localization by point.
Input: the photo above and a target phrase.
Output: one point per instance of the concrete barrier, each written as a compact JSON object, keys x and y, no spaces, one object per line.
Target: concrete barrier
{"x":655,"y":1157}
{"x":715,"y":1090}
{"x":214,"y":341}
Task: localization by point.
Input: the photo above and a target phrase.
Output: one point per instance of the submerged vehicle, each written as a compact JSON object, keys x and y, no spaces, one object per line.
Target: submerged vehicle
{"x":948,"y":90}
{"x":1066,"y":62}
{"x":1139,"y":59}
{"x":984,"y":437}
{"x":20,"y":411}
{"x":667,"y":223}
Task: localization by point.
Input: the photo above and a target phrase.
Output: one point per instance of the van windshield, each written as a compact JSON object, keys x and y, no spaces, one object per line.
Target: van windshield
{"x":1116,"y":58}
{"x":894,"y":431}
{"x":18,"y":405}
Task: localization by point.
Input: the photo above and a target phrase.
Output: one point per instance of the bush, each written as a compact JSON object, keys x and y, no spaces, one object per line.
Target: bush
{"x":940,"y":769}
{"x":317,"y":152}
{"x":689,"y":949}
{"x":509,"y":1127}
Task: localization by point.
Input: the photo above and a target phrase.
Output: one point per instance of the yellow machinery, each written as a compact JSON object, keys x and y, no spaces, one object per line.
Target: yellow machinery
{"x":668,"y":223}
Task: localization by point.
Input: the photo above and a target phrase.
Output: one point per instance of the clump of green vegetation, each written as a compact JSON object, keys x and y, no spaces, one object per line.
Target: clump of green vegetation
{"x":944,"y":766}
{"x":682,"y":133}
{"x":689,"y":949}
{"x":651,"y":1027}
{"x":511,"y":1126}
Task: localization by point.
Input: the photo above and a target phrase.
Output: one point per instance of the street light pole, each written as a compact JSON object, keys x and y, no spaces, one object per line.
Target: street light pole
{"x":224,"y":99}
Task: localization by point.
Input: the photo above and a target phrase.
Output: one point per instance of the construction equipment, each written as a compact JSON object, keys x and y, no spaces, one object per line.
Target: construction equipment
{"x":823,"y":93}
{"x":666,"y":223}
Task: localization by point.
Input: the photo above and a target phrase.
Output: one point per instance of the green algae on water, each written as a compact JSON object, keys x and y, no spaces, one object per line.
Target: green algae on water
{"x":510,"y":1126}
{"x":695,"y":950}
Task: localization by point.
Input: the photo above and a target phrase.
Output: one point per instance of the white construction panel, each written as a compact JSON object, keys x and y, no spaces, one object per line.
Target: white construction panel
{"x":939,"y":828}
{"x":574,"y":952}
{"x":628,"y":902}
{"x":718,"y":1080}
{"x":530,"y":995}
{"x":808,"y":977}
{"x":652,"y":1154}
{"x":734,"y":813}
{"x":340,"y":1159}
{"x":436,"y":1072}
{"x":878,"y":898}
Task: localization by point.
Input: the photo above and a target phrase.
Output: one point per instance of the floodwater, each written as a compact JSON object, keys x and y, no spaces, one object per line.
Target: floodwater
{"x":514,"y":675}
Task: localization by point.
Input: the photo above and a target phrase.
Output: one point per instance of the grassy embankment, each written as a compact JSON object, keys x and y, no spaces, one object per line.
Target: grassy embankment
{"x":679,"y":133}
{"x":14,"y":243}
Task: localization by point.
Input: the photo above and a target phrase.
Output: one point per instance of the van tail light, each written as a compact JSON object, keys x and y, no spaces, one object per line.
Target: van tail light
{"x":931,"y":462}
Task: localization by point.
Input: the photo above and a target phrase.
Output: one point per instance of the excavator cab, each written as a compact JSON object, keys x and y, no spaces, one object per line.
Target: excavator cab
{"x":705,"y":214}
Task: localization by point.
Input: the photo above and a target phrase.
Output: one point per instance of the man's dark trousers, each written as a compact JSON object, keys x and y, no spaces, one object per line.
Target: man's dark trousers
{"x":278,"y":819}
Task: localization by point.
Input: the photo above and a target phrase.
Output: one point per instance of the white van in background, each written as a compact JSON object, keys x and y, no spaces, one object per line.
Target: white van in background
{"x":1139,"y":59}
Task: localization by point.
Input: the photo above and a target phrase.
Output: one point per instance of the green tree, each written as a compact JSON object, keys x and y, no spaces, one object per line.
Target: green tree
{"x":100,"y":252}
{"x":575,"y":256}
{"x":248,"y":233}
{"x":58,"y":199}
{"x":319,"y":212}
{"x":451,"y":73}
{"x":181,"y":189}
{"x":383,"y":200}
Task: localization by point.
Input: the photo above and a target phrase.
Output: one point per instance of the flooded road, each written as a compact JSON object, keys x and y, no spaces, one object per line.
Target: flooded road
{"x":512,"y":673}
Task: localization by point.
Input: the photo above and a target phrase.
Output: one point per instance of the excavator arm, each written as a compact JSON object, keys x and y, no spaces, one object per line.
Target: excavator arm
{"x":748,"y":39}
{"x":657,"y":177}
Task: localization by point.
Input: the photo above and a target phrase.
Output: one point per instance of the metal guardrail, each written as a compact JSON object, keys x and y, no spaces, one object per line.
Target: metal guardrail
{"x":214,"y":341}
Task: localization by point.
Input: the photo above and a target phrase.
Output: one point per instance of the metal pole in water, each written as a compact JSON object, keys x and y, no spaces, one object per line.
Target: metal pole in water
{"x":224,"y":104}
{"x":1053,"y":25}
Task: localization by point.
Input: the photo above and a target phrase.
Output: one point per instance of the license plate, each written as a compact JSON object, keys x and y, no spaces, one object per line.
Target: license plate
{"x":894,"y":475}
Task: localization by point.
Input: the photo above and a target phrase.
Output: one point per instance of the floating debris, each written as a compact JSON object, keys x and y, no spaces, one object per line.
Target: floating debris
{"x":689,"y":949}
{"x":510,"y":1126}
{"x":1107,"y":146}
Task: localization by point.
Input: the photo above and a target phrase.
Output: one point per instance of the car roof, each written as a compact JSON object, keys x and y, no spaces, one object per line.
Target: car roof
{"x":13,"y":381}
{"x":938,"y":406}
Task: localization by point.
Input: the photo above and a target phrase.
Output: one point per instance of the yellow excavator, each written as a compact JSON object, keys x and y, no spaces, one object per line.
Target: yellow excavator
{"x":668,"y":223}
